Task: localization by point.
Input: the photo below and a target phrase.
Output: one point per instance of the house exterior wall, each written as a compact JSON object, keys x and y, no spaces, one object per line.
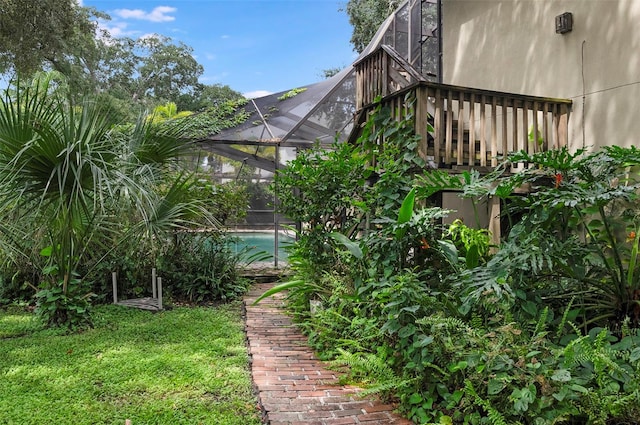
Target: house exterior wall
{"x":512,"y":46}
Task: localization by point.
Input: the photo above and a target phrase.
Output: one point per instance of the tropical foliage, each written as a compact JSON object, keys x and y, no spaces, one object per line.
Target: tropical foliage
{"x":540,"y":329}
{"x":76,"y":188}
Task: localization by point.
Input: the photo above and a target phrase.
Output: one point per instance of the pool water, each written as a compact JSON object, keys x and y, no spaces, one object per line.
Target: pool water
{"x":256,"y":242}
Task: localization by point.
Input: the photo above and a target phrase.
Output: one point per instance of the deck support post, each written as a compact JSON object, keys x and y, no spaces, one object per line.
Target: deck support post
{"x":494,"y":221}
{"x":421,"y":118}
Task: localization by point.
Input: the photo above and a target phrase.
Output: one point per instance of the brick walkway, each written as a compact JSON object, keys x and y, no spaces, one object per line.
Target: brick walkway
{"x":294,"y":387}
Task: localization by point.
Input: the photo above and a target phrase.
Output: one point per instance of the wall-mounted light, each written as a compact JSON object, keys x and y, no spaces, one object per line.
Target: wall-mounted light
{"x":564,"y":23}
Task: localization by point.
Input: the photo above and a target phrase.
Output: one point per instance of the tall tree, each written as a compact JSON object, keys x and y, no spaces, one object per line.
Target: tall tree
{"x":38,"y":33}
{"x":207,"y":96}
{"x":60,"y":35}
{"x":366,"y":16}
{"x":165,"y":69}
{"x":148,"y":71}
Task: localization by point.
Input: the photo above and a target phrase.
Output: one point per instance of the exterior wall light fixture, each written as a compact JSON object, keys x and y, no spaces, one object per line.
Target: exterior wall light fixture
{"x":564,"y":23}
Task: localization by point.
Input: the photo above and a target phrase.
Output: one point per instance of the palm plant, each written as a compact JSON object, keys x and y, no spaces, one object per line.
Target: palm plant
{"x":77,"y":180}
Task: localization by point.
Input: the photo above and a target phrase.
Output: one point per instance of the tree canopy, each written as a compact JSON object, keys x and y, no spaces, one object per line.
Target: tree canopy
{"x":366,"y":16}
{"x":146,"y":71}
{"x":33,"y":33}
{"x":61,"y":36}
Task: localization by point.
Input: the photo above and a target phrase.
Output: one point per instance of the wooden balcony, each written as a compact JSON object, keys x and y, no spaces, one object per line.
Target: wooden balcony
{"x":459,"y":126}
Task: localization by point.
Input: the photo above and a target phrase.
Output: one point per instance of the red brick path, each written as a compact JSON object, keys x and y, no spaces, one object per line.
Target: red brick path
{"x":294,"y":387}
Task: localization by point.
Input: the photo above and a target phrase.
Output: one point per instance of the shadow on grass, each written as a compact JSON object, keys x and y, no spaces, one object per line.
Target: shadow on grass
{"x":183,"y":366}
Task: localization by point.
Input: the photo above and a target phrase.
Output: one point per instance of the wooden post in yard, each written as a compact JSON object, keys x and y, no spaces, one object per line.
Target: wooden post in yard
{"x":154,"y":288}
{"x":159,"y":293}
{"x":114,"y":281}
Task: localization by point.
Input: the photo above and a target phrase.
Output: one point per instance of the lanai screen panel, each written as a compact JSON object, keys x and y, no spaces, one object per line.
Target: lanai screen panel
{"x":398,"y":34}
{"x":334,"y":112}
{"x":412,"y":30}
{"x":430,"y":66}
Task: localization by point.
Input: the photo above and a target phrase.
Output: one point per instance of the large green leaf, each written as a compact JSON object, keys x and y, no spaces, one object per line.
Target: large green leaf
{"x":450,"y":252}
{"x":352,"y":246}
{"x":472,"y":257}
{"x":406,"y":212}
{"x":279,"y":288}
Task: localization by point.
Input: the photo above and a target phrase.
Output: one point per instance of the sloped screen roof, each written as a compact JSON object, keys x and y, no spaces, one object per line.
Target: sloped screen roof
{"x":321,"y":111}
{"x":324,"y":112}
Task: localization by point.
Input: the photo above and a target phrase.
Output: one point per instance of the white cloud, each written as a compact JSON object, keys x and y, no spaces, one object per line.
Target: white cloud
{"x":149,"y":35}
{"x":115,"y":29}
{"x":256,"y":93}
{"x":158,"y":14}
{"x":224,"y":37}
{"x":211,"y":56}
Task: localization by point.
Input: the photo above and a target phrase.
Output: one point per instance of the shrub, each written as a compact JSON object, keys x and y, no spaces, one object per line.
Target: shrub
{"x":543,"y":331}
{"x":200,"y":267}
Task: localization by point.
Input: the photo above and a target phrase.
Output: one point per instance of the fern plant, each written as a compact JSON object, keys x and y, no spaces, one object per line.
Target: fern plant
{"x":370,"y":370}
{"x":495,"y":417}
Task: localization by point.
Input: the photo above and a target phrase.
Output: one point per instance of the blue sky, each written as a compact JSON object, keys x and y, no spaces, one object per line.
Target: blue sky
{"x":253,"y":46}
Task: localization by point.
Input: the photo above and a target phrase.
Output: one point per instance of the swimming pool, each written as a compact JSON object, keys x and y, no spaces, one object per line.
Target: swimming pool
{"x":260,"y":241}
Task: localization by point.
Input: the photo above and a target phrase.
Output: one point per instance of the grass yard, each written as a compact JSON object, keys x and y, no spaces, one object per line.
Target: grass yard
{"x":183,"y":366}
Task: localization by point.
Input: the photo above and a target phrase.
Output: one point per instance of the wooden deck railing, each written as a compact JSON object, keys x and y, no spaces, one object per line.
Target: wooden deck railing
{"x":381,"y":73}
{"x":460,"y":126}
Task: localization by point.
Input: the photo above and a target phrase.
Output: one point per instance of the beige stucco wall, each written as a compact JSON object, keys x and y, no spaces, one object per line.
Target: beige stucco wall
{"x":512,"y":46}
{"x":463,"y":208}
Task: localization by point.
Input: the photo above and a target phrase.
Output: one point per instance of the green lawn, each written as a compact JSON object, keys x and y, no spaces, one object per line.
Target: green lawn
{"x":183,"y":366}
